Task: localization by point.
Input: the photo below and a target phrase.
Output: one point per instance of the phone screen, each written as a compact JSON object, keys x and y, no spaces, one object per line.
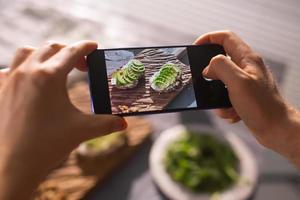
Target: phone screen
{"x":131,"y":81}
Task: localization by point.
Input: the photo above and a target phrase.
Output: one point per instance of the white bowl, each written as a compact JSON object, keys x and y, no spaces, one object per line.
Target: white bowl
{"x":247,"y":166}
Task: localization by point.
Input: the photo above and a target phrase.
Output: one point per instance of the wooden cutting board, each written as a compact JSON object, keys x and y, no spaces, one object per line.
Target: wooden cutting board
{"x":143,"y":98}
{"x":75,"y":178}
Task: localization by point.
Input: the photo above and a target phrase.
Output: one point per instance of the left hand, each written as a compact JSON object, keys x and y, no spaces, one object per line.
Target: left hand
{"x":39,"y":126}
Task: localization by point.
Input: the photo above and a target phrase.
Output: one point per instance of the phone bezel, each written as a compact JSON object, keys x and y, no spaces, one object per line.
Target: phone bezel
{"x":98,"y":80}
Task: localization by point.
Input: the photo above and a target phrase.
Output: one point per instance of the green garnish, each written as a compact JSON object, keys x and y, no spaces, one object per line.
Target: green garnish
{"x":202,"y":163}
{"x":165,"y":79}
{"x":129,"y":75}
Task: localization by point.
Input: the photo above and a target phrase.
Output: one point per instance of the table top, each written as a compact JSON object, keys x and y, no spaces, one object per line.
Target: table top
{"x":134,"y":182}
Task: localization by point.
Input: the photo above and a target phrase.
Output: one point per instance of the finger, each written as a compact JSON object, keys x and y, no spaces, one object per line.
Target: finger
{"x":222,"y":68}
{"x":3,"y":75}
{"x":81,"y":64}
{"x":98,"y":125}
{"x":229,"y":115}
{"x":69,"y":56}
{"x":21,"y":55}
{"x":234,"y":46}
{"x":226,"y":113}
{"x":48,"y":50}
{"x":4,"y":69}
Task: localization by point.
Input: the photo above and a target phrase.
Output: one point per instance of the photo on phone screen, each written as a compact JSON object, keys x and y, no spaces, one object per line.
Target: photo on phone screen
{"x":153,"y":79}
{"x":143,"y":80}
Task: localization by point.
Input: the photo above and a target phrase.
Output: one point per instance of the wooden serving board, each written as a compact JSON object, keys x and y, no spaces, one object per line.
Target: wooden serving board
{"x":75,"y":178}
{"x":143,"y":98}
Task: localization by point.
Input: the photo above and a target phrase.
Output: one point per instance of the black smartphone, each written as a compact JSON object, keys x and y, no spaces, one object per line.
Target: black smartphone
{"x":144,"y":80}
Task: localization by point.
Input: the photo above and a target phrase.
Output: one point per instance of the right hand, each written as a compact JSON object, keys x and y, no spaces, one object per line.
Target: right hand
{"x":252,"y":91}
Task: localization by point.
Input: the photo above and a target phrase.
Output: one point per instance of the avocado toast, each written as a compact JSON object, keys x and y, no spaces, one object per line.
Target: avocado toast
{"x":129,"y":75}
{"x":167,"y":78}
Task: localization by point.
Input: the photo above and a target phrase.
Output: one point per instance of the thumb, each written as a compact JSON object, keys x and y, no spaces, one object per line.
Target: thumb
{"x":99,"y":125}
{"x":222,"y":68}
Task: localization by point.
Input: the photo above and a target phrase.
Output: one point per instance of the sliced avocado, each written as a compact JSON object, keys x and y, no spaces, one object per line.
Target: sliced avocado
{"x":139,"y":69}
{"x":120,"y":80}
{"x":160,"y":84}
{"x":131,"y":71}
{"x":167,"y":73}
{"x":131,"y":75}
{"x":128,"y":80}
{"x":114,"y":74}
{"x":170,"y":81}
{"x":169,"y":69}
{"x":169,"y":65}
{"x":137,"y":62}
{"x":164,"y":78}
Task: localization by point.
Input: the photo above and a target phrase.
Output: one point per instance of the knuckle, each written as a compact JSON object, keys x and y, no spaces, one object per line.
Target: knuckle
{"x":229,"y":33}
{"x":19,"y":74}
{"x":250,"y":82}
{"x":39,"y":76}
{"x":36,"y":73}
{"x":24,"y":50}
{"x":42,"y":75}
{"x":54,"y":45}
{"x":55,"y":65}
{"x":256,"y":59}
{"x":71,"y":49}
{"x":219,"y":59}
{"x":246,"y":80}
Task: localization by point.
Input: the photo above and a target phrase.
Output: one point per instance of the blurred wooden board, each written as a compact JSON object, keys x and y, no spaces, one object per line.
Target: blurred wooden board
{"x":143,"y":98}
{"x":72,"y":182}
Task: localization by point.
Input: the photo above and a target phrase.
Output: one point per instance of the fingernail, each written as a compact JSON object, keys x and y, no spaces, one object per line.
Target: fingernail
{"x":204,"y":72}
{"x":120,"y":125}
{"x":232,"y":120}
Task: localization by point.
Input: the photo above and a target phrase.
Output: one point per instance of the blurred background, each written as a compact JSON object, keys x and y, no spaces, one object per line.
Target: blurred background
{"x":271,"y":27}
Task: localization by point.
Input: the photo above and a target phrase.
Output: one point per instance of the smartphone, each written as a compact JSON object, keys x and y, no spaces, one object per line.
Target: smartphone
{"x":147,"y":80}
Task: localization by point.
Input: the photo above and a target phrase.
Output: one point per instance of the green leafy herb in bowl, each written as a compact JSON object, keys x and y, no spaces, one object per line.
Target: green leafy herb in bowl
{"x":199,"y":162}
{"x":202,"y":163}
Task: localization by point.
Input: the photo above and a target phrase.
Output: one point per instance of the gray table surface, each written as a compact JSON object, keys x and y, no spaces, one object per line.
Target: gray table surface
{"x":278,"y":179}
{"x":133,"y":181}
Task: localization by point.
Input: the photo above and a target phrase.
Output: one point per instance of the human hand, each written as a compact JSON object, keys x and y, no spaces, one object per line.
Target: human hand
{"x":39,"y":126}
{"x":253,"y":94}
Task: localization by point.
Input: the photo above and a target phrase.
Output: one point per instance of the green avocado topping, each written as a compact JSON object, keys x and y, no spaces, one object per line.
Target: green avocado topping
{"x":165,"y":78}
{"x":128,"y":75}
